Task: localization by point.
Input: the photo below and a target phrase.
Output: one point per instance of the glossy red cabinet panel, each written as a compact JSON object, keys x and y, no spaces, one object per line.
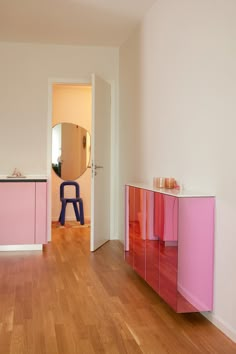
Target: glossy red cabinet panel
{"x":166,"y":210}
{"x":159,"y":215}
{"x":152,"y":245}
{"x":129,"y":224}
{"x":168,"y":256}
{"x":170,"y":218}
{"x":139,"y":231}
{"x":135,"y":253}
{"x":196,"y":251}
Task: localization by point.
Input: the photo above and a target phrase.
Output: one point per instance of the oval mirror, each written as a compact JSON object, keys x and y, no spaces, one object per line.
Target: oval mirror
{"x":70,"y":150}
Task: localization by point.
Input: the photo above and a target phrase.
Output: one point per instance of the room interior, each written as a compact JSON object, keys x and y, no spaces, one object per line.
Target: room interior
{"x":173,"y":110}
{"x":72,"y":104}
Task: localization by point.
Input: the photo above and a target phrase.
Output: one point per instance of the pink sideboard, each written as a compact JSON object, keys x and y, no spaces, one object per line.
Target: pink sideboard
{"x":170,"y":243}
{"x":23,"y":212}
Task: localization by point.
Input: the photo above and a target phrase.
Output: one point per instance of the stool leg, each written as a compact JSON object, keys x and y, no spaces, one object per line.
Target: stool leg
{"x":63,"y":212}
{"x":59,"y":218}
{"x":81,"y":209}
{"x":76,"y":211}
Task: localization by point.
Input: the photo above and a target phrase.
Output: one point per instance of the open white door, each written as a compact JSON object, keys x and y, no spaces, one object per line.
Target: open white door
{"x":100,"y":162}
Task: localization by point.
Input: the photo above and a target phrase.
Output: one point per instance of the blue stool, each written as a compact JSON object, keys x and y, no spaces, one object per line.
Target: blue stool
{"x":78,"y":213}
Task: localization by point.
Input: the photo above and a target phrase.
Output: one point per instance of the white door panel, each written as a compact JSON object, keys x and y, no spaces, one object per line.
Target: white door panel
{"x":100,"y":157}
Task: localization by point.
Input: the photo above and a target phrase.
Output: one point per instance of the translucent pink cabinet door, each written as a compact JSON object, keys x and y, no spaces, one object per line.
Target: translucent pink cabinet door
{"x":196,"y":251}
{"x":169,"y":257}
{"x":168,"y":251}
{"x":135,"y":252}
{"x":186,"y":264}
{"x":139,"y":234}
{"x":130,"y":224}
{"x":152,"y":245}
{"x":17,"y":213}
{"x":170,"y":215}
{"x":159,"y":215}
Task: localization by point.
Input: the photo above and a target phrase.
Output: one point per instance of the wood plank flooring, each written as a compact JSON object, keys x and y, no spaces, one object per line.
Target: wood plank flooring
{"x":67,"y":300}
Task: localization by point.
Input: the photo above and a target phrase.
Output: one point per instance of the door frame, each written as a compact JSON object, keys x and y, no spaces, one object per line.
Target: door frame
{"x":114,"y":152}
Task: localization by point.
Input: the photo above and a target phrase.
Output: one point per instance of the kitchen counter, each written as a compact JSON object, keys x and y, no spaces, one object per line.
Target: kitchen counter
{"x":28,"y":178}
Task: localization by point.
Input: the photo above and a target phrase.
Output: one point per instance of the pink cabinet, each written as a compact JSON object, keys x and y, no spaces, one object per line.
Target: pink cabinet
{"x":170,"y":242}
{"x":23,"y":213}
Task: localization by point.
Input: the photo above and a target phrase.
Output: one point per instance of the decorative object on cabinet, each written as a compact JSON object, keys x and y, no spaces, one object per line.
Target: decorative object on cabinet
{"x":170,"y":183}
{"x":159,"y":182}
{"x":169,"y":243}
{"x":74,"y":200}
{"x":16,"y":174}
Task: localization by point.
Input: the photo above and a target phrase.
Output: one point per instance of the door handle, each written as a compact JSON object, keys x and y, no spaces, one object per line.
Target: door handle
{"x":96,"y":166}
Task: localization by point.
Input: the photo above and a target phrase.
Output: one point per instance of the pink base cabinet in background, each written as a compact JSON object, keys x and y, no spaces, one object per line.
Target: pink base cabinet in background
{"x":170,"y":243}
{"x":23,"y":213}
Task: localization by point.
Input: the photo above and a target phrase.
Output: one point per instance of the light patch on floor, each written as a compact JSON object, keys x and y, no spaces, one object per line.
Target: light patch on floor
{"x":68,"y":224}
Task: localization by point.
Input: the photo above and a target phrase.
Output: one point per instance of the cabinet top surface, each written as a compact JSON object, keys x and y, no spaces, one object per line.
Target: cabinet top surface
{"x":173,"y":192}
{"x":29,"y":178}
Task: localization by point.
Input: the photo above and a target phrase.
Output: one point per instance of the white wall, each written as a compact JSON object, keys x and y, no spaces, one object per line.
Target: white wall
{"x":25,"y":70}
{"x":25,"y":73}
{"x":72,"y":104}
{"x":177,"y":117}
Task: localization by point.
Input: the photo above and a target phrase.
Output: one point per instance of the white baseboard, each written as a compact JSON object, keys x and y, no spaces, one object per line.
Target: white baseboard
{"x":9,"y":248}
{"x":221,"y":325}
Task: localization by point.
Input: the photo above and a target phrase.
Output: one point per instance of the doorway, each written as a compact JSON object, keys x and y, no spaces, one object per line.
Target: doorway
{"x":71,"y":147}
{"x":100,"y":186}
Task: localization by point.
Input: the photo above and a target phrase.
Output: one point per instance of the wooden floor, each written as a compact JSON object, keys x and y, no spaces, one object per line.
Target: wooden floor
{"x":67,"y":300}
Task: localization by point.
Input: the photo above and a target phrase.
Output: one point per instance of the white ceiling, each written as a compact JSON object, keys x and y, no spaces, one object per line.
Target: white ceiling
{"x":80,"y":22}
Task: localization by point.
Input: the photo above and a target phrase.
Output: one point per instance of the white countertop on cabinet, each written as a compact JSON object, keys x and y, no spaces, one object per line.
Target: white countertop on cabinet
{"x":27,"y":178}
{"x":183,"y":193}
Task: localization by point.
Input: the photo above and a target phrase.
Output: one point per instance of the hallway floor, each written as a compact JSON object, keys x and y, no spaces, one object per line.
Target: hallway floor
{"x":67,"y":300}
